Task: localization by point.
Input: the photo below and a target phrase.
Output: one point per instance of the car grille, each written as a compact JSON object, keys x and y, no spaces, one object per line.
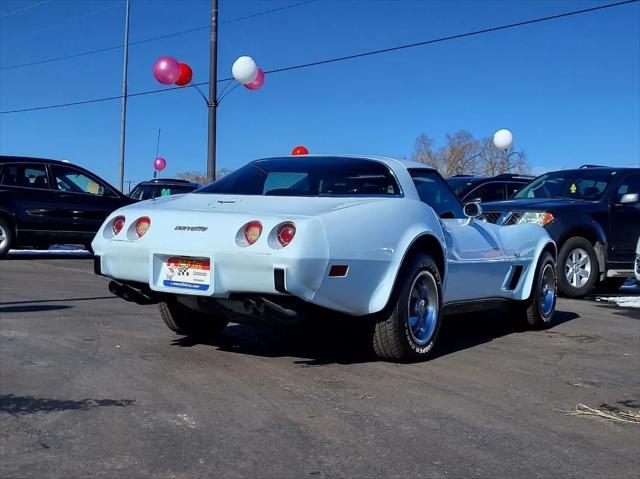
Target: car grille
{"x":490,"y":217}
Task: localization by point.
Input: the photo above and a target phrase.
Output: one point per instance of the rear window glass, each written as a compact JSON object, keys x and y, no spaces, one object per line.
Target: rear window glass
{"x":308,"y":176}
{"x":147,"y":192}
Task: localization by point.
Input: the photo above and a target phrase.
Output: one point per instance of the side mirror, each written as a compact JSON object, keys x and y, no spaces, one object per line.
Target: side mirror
{"x":629,"y":198}
{"x":472,"y":210}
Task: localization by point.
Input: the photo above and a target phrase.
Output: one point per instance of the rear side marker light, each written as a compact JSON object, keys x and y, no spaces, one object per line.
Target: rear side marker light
{"x":285,"y":233}
{"x":142,"y":226}
{"x":338,"y":270}
{"x":252,"y":232}
{"x":118,"y":224}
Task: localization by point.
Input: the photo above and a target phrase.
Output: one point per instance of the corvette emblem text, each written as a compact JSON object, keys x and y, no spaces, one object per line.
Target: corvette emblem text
{"x":191,"y":228}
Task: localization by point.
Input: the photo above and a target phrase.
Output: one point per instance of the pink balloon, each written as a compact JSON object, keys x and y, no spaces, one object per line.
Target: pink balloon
{"x":159,"y":164}
{"x":258,"y":82}
{"x":166,"y":70}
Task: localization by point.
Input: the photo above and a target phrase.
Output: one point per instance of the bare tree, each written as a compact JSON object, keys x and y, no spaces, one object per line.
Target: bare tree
{"x":462,"y":154}
{"x":201,"y":178}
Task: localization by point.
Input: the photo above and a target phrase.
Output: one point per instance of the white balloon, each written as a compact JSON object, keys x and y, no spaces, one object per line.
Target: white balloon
{"x":245,"y":70}
{"x":503,"y":139}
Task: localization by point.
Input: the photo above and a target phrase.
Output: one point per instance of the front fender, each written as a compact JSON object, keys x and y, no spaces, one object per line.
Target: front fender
{"x":526,"y":243}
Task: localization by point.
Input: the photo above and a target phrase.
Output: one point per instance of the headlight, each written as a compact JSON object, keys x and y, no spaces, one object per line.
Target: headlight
{"x":534,"y":217}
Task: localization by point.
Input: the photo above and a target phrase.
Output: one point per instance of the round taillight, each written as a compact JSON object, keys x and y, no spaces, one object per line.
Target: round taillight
{"x":142,"y":226}
{"x":252,"y":232}
{"x":285,"y":233}
{"x":118,"y":224}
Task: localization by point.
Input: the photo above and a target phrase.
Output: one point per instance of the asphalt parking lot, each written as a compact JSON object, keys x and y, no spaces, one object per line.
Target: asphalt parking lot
{"x":91,"y":386}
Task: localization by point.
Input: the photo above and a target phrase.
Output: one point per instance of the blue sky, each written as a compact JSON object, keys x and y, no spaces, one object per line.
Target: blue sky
{"x":569,"y":89}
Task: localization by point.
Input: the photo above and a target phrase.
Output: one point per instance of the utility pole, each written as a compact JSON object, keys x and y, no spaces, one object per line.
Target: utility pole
{"x":125,"y":65}
{"x":213,"y":77}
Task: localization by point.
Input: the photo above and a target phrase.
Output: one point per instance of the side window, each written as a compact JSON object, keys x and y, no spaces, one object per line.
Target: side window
{"x":493,"y":191}
{"x":629,"y":185}
{"x":74,"y":181}
{"x":433,"y":191}
{"x":25,"y":175}
{"x":513,"y":188}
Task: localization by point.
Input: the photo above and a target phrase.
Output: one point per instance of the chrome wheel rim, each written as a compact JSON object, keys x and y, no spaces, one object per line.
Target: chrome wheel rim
{"x":547,"y":297}
{"x":422,"y":316}
{"x":577,"y":268}
{"x":3,"y":237}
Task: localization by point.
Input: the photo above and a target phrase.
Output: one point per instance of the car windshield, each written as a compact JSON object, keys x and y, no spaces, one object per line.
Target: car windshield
{"x":460,"y":184}
{"x":576,"y":184}
{"x":308,"y":176}
{"x":146,"y":192}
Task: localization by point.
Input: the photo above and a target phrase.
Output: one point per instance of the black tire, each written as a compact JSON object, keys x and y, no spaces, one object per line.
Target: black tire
{"x":538,"y":310}
{"x":610,"y":285}
{"x":7,"y":236}
{"x":577,"y":244}
{"x":393,"y":337}
{"x":184,"y":320}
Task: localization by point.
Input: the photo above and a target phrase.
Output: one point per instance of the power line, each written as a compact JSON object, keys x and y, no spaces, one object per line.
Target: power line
{"x":152,"y":39}
{"x":350,"y":57}
{"x":22,"y":9}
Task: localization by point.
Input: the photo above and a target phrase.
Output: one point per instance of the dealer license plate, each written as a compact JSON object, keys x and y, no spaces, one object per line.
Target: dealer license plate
{"x":187,"y":273}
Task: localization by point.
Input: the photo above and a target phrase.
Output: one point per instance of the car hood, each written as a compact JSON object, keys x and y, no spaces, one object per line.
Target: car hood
{"x":533,"y":204}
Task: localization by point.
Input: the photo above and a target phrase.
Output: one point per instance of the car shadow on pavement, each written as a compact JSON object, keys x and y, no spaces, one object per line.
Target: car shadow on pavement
{"x":348,"y":342}
{"x":21,"y":405}
{"x":470,"y":330}
{"x":33,"y":308}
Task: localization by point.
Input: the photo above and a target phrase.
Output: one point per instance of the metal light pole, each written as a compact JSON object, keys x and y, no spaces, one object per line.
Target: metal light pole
{"x":213,"y":76}
{"x":123,"y":119}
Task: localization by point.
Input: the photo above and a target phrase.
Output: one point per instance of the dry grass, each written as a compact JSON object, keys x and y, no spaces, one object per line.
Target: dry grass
{"x":607,"y":413}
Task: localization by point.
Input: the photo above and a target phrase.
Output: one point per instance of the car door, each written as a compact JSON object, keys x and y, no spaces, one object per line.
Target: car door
{"x":625,"y":218}
{"x":85,"y":199}
{"x":26,"y":191}
{"x":475,"y":256}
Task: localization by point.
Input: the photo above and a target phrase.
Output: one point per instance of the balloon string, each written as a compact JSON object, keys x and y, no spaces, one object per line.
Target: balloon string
{"x":227,"y":92}
{"x":158,"y":143}
{"x":224,"y":88}
{"x":195,"y":85}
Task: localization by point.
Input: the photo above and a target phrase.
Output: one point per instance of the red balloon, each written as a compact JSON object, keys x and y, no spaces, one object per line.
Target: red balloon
{"x":186,"y":74}
{"x":300,"y":150}
{"x":159,"y":164}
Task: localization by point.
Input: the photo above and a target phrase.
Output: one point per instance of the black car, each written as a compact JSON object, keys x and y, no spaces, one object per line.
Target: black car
{"x":592,"y":213}
{"x":147,"y":190}
{"x":48,"y":201}
{"x":470,"y":188}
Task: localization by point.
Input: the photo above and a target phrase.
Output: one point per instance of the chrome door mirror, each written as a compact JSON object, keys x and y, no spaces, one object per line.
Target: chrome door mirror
{"x":472,"y":210}
{"x":629,"y":198}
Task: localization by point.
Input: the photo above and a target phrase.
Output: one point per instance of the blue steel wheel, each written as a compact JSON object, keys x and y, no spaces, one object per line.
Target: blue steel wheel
{"x":539,"y":310}
{"x":422,"y":308}
{"x":547,"y":297}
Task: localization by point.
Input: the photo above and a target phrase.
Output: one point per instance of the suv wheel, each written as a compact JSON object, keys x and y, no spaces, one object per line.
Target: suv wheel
{"x":578,"y":268}
{"x":6,"y":236}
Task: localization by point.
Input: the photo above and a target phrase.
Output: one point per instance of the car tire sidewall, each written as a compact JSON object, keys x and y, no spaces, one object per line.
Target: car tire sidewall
{"x":7,"y":227}
{"x":535,"y":316}
{"x":417,"y":351}
{"x":563,"y":285}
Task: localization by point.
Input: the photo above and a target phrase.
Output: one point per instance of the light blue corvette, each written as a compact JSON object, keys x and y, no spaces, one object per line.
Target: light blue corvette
{"x":282,"y":238}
